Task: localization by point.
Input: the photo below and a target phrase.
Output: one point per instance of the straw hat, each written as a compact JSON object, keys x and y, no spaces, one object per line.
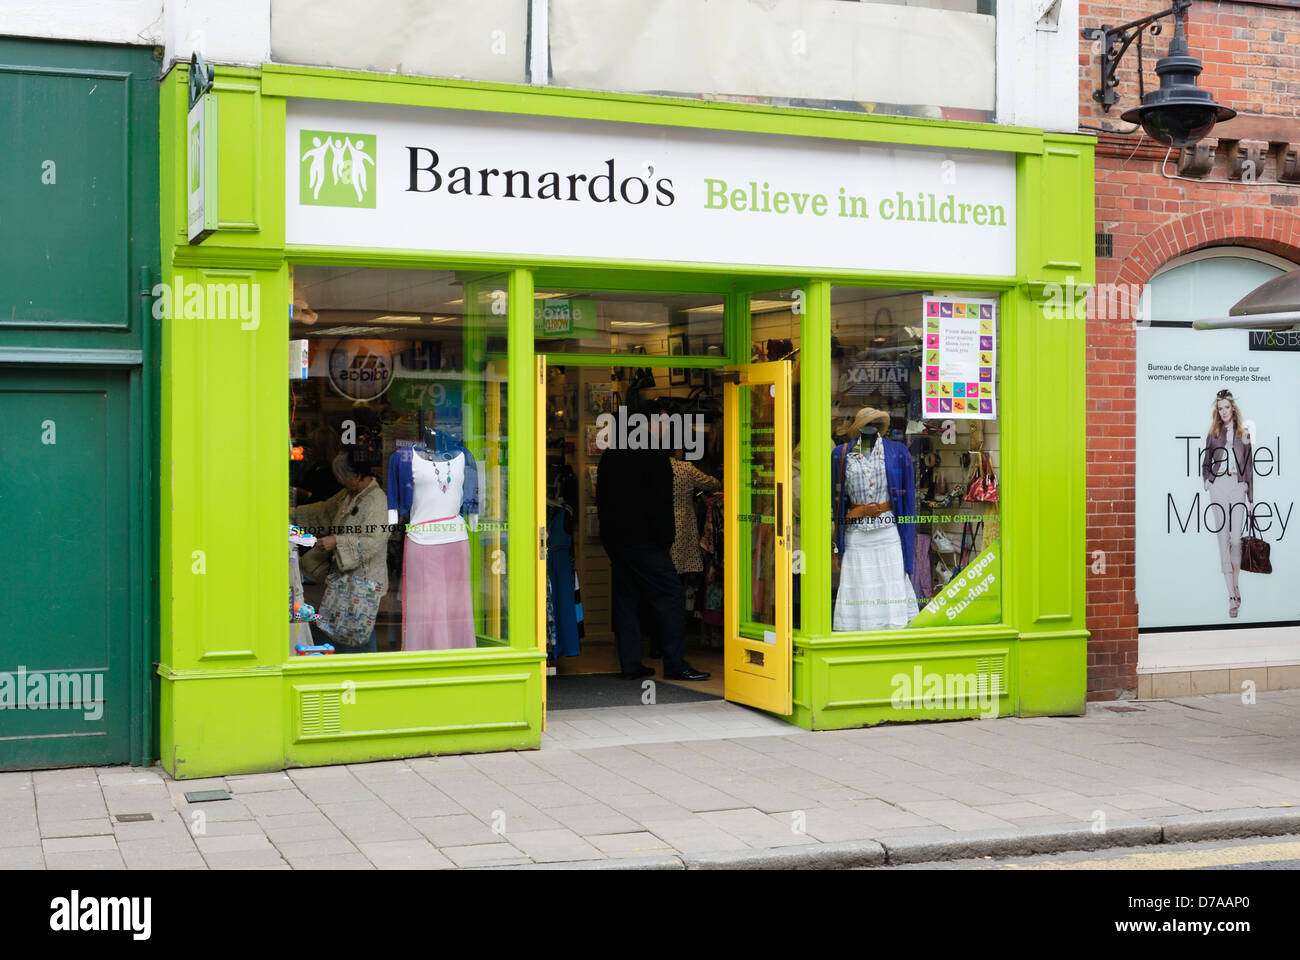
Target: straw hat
{"x":870,"y":415}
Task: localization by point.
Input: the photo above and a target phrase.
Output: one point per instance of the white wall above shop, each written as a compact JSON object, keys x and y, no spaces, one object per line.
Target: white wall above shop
{"x":482,"y":40}
{"x":222,"y":31}
{"x":941,"y":50}
{"x":100,"y":21}
{"x":1038,"y":68}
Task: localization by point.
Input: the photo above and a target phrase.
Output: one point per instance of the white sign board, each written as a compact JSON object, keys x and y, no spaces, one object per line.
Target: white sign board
{"x":201,"y":168}
{"x":414,"y":178}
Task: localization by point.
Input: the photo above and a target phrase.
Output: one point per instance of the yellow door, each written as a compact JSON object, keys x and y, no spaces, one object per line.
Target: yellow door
{"x":539,"y":487}
{"x":758,"y":650}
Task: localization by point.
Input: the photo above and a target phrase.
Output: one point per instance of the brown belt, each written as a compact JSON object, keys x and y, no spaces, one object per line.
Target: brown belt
{"x":857,"y":510}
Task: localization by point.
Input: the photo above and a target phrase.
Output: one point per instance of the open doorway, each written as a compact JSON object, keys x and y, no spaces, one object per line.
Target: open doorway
{"x":723,"y":505}
{"x":588,"y":409}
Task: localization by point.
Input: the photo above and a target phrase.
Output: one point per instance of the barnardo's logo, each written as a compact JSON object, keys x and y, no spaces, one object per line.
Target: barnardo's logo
{"x":337,"y":169}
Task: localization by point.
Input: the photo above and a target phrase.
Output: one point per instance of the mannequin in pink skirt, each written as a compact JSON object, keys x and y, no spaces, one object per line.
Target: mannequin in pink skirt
{"x":436,"y":480}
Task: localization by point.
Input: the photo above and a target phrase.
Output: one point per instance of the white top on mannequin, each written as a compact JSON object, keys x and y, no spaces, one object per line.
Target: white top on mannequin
{"x":436,"y":501}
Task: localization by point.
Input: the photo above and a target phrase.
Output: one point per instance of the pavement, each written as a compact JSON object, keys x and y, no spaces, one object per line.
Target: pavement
{"x":735,"y":791}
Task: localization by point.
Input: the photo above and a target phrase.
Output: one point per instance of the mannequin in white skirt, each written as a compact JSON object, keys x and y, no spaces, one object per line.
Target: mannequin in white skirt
{"x":875,"y":591}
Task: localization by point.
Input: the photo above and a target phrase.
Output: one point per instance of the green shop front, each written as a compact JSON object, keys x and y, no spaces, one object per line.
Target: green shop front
{"x":407,"y":317}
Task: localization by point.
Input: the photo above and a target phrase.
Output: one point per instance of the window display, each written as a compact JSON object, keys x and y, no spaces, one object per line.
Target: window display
{"x":915,"y":459}
{"x":401,"y":403}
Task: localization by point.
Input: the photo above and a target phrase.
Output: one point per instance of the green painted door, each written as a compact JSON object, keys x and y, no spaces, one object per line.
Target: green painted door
{"x":65,"y":569}
{"x":78,"y":389}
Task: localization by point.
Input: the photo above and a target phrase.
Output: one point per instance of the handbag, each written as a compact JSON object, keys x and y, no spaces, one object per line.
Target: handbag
{"x":984,"y":485}
{"x":351,"y":606}
{"x":1254,"y":550}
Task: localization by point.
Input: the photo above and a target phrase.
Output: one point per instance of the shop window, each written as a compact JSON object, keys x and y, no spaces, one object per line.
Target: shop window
{"x":678,"y":325}
{"x":933,"y":58}
{"x":916,"y":465}
{"x":398,"y":453}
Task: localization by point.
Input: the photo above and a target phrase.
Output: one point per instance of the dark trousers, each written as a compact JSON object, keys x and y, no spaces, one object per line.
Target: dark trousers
{"x":647,"y":573}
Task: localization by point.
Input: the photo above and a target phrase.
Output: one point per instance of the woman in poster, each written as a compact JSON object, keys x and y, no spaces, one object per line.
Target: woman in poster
{"x":1229,"y":476}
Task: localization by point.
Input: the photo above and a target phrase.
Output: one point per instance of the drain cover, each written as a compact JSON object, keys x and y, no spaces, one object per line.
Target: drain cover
{"x":203,"y":796}
{"x":133,"y":817}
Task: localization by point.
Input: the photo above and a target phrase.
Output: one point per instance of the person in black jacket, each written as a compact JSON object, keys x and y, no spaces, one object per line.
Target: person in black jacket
{"x":634,"y":501}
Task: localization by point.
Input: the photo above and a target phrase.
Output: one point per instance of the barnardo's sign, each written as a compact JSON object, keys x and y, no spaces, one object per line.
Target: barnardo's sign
{"x":413,"y":178}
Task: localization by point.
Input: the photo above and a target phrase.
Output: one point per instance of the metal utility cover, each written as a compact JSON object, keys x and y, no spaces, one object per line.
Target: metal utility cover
{"x":203,"y":796}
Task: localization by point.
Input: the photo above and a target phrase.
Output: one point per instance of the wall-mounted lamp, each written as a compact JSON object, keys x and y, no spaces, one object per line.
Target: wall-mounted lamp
{"x":1179,"y":113}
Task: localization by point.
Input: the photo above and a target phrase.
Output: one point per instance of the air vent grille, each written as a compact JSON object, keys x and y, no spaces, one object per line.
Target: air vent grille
{"x":321,"y":712}
{"x":991,"y":675}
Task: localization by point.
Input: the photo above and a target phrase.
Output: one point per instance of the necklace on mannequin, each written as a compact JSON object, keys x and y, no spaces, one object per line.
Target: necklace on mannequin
{"x":443,"y":481}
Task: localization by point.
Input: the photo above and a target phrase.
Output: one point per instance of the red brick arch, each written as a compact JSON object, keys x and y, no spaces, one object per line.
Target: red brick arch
{"x":1273,"y":231}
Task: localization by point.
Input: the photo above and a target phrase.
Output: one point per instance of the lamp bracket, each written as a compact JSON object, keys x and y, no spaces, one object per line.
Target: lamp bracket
{"x":201,"y":78}
{"x":1114,"y":43}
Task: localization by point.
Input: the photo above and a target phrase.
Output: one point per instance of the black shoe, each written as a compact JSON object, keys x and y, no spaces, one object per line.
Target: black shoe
{"x":687,"y":672}
{"x":639,"y":672}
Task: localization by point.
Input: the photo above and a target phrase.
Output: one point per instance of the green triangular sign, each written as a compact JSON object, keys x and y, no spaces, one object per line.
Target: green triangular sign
{"x":974,"y":595}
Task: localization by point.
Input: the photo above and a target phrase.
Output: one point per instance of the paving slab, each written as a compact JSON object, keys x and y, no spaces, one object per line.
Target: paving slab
{"x":485,"y":855}
{"x":694,"y":835}
{"x":551,"y":846}
{"x":30,"y":857}
{"x":405,"y":855}
{"x":78,"y":844}
{"x":639,"y":844}
{"x":85,"y":860}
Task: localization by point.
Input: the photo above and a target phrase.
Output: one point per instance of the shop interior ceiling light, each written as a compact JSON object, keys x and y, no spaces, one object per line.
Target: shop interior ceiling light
{"x":1179,"y":113}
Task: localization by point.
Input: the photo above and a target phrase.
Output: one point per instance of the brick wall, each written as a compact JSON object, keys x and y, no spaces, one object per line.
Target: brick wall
{"x":1251,"y":53}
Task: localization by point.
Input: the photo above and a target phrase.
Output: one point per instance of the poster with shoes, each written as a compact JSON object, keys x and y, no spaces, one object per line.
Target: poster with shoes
{"x":959,"y":369}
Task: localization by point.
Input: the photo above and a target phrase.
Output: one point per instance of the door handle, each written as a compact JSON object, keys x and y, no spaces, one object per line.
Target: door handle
{"x":780,"y":508}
